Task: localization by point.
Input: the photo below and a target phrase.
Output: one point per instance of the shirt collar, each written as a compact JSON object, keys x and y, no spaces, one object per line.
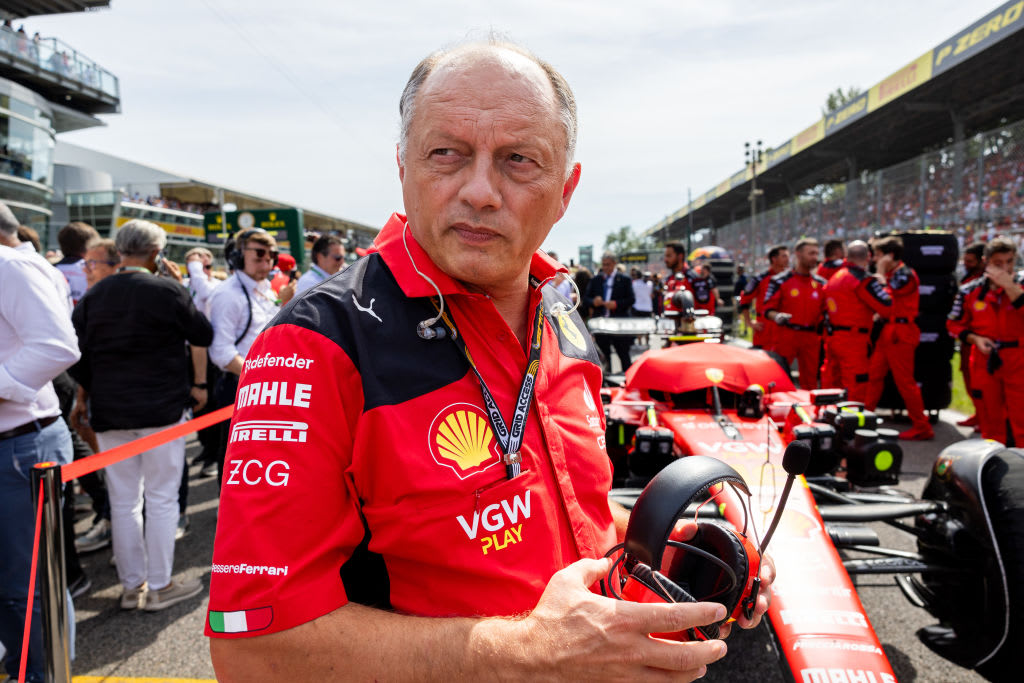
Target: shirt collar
{"x":251,"y":284}
{"x":389,"y":244}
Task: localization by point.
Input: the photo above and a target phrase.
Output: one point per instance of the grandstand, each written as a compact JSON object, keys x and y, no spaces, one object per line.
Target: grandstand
{"x":938,"y":144}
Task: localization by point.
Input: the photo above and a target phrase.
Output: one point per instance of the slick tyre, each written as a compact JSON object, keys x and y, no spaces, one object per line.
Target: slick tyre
{"x":1004,"y":488}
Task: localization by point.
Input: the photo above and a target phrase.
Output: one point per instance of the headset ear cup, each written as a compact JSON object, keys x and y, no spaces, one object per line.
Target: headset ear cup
{"x":660,"y":584}
{"x":703,"y":578}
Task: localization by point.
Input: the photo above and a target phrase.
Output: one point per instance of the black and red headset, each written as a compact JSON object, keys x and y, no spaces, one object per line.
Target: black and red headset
{"x":719,"y":564}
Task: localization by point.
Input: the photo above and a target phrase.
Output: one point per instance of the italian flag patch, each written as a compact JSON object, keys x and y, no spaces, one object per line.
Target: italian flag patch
{"x":244,"y":621}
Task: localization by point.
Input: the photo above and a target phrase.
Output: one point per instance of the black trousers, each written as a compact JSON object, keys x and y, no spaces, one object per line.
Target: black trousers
{"x":621,"y":343}
{"x":224,"y":395}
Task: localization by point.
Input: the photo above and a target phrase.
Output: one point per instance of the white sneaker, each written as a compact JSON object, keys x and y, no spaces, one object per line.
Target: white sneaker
{"x":133,"y":598}
{"x":95,"y":538}
{"x":172,"y":594}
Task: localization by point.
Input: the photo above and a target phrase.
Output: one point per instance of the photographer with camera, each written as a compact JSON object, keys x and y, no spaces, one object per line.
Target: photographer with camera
{"x":381,"y":523}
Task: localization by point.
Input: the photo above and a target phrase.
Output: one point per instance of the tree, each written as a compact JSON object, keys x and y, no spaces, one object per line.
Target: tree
{"x":623,"y":240}
{"x":839,"y":98}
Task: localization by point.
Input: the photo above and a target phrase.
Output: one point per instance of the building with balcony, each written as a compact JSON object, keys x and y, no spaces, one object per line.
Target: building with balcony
{"x":46,"y":88}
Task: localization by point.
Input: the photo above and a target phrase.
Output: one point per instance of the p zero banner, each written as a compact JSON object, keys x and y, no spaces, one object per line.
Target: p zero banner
{"x":987,"y":31}
{"x":841,"y":118}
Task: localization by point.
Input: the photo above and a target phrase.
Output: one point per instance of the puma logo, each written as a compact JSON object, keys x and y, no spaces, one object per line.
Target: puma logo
{"x":367,"y":309}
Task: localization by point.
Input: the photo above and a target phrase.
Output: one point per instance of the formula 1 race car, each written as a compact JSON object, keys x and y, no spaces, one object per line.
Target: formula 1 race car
{"x":739,"y":406}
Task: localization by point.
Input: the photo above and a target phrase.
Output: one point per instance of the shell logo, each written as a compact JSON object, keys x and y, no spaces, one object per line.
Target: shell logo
{"x":460,"y":438}
{"x":714,"y":375}
{"x":979,"y":305}
{"x":831,"y":304}
{"x":794,"y":292}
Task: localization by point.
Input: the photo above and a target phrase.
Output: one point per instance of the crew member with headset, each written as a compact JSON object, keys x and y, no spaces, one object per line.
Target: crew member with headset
{"x":852,"y":297}
{"x":239,"y":310}
{"x":753,"y":295}
{"x":894,"y":350}
{"x":987,"y":314}
{"x":795,"y":301}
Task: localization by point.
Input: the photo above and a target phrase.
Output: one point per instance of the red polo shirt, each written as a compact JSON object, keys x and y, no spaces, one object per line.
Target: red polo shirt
{"x":362,"y":466}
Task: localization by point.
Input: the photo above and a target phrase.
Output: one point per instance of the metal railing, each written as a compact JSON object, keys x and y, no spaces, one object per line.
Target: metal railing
{"x":974,"y":189}
{"x":55,"y":56}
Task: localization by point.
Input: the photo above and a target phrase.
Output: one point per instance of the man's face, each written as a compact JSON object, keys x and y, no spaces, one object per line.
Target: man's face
{"x":484,"y":175}
{"x":608,"y":266}
{"x":807,"y":257}
{"x":673,"y":260}
{"x":884,"y":262}
{"x":332,"y":261}
{"x":972,"y":263}
{"x":781,"y":260}
{"x":98,"y":265}
{"x":1003,"y":260}
{"x":259,"y":260}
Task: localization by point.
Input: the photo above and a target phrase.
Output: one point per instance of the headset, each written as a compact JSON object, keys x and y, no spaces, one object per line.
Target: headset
{"x":233,"y":254}
{"x":719,"y":564}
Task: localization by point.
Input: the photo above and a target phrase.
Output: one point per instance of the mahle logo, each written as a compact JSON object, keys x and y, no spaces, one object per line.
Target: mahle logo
{"x":461,"y":439}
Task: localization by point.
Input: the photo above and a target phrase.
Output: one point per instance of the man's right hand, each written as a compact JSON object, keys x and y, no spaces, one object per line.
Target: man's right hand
{"x":575,"y":633}
{"x":598,"y":301}
{"x":757,"y":325}
{"x":983,"y":344}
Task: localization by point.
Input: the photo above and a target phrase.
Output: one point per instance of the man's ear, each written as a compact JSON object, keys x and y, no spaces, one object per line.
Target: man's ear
{"x":398,"y":160}
{"x":568,"y":188}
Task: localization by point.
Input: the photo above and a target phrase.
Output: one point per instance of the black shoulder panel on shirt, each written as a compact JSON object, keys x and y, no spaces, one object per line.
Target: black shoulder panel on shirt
{"x":900,"y":278}
{"x":574,"y":340}
{"x":776,"y":282}
{"x":819,"y":279}
{"x":365,"y":312}
{"x":365,"y":577}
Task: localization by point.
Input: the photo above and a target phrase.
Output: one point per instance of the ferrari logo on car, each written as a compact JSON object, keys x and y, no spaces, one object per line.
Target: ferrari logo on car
{"x":714,"y":375}
{"x":461,"y":439}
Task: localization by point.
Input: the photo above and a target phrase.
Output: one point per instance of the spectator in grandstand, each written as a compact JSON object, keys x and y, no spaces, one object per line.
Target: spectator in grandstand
{"x":610,"y":295}
{"x":764,"y":330}
{"x":137,"y":383}
{"x":101,"y":260}
{"x":328,"y":254}
{"x":987,"y":314}
{"x":38,"y":344}
{"x":835,"y":252}
{"x":485,"y":167}
{"x":795,"y":302}
{"x":239,"y":310}
{"x":974,"y":267}
{"x":72,"y":239}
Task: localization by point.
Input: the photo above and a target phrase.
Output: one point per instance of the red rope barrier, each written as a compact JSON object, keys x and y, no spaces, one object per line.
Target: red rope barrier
{"x":31,"y":587}
{"x":133,"y":448}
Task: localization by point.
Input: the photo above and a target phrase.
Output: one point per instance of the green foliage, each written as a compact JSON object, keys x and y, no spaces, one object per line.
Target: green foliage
{"x":624,"y":240}
{"x":839,"y":98}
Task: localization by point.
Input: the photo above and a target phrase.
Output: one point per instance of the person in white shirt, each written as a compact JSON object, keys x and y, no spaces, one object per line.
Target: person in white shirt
{"x":239,"y":310}
{"x":201,"y":282}
{"x":73,"y":239}
{"x":643,"y":307}
{"x":328,"y":255}
{"x":38,"y":344}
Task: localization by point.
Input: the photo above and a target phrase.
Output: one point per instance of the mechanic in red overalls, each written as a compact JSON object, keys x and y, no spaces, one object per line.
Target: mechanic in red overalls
{"x":974,"y":267}
{"x":795,"y":301}
{"x":834,"y":254}
{"x":895,"y":348}
{"x":675,"y":263}
{"x":753,"y":294}
{"x":702,"y":283}
{"x":987,"y":314}
{"x":852,"y":297}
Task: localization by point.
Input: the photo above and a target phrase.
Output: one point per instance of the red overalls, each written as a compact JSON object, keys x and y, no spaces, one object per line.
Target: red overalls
{"x":754,"y":292}
{"x":896,"y":346}
{"x":997,"y":379}
{"x":852,"y":297}
{"x":802,"y":296}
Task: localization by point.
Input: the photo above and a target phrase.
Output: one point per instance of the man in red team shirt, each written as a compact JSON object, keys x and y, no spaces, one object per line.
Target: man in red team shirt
{"x":753,"y":295}
{"x":795,"y":301}
{"x":394,"y":536}
{"x":987,"y":314}
{"x":834,"y":254}
{"x":974,"y":267}
{"x":894,"y":350}
{"x":852,"y":297}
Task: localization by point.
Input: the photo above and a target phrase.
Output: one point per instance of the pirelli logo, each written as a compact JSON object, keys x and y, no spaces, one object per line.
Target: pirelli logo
{"x":288,"y":431}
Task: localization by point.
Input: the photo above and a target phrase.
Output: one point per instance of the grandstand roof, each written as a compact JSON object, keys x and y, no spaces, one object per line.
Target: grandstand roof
{"x":975,"y":77}
{"x":13,"y":9}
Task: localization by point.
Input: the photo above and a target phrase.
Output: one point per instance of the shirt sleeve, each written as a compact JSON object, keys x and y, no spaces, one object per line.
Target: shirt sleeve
{"x":958,"y":322}
{"x":289,"y":518}
{"x":228,"y":315}
{"x":198,"y":283}
{"x":198,"y":331}
{"x":773,"y":295}
{"x":875,"y":295}
{"x":48,"y":342}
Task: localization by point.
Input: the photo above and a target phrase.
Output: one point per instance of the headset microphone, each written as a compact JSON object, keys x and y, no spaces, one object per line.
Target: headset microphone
{"x":795,"y":461}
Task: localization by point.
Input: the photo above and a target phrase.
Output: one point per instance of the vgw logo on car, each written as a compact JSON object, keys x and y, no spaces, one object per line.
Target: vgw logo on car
{"x":492,"y":520}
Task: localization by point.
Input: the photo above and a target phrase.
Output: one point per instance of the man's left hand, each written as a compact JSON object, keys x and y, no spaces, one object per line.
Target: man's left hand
{"x":611,"y":305}
{"x":999,"y":277}
{"x":200,"y":396}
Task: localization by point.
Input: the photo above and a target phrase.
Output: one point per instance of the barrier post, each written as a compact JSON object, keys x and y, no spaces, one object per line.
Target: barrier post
{"x":52,"y":578}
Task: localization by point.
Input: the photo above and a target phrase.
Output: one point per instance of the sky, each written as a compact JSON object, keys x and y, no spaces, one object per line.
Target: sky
{"x":298,"y":101}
